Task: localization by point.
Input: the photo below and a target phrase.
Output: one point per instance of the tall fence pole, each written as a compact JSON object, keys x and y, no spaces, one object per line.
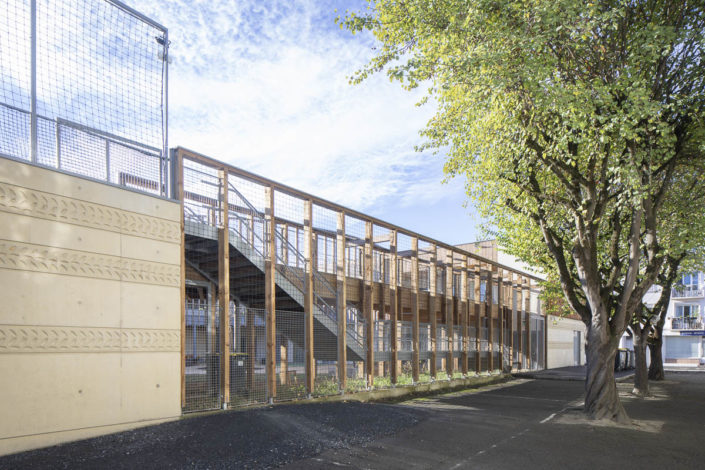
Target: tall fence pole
{"x":415,"y":308}
{"x":393,"y":304}
{"x":224,"y":289}
{"x":432,"y":286}
{"x":33,"y":83}
{"x":367,"y":303}
{"x":308,"y":297}
{"x":270,"y":291}
{"x":341,"y":296}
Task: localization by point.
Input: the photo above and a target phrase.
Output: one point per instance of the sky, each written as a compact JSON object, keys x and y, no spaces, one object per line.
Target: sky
{"x":263,"y":85}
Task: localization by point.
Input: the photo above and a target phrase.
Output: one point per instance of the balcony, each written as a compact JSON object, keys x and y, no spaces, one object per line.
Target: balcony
{"x":687,"y":292}
{"x":686,"y":323}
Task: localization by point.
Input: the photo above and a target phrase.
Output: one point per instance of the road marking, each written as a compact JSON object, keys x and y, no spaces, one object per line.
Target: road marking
{"x":549,"y":418}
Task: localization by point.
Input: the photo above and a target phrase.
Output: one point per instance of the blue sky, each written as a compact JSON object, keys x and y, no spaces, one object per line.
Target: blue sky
{"x":264,"y":86}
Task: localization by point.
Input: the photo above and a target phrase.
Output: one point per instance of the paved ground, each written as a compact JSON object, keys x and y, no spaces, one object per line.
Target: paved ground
{"x":576,"y":373}
{"x":521,"y":424}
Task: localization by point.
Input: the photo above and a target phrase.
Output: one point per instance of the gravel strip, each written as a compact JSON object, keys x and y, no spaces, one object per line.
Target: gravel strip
{"x":255,"y":438}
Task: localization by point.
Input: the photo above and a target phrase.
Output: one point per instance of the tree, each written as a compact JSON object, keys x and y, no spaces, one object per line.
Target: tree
{"x":568,"y":120}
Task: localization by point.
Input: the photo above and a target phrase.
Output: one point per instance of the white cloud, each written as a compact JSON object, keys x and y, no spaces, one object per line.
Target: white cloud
{"x":264,"y":86}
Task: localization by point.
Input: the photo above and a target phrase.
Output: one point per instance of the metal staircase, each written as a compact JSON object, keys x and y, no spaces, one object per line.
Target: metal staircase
{"x":290,"y":279}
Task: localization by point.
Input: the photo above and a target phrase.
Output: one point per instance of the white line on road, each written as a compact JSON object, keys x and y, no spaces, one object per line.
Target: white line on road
{"x":549,"y":418}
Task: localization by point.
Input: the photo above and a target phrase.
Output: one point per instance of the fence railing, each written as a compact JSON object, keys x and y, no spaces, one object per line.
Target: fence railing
{"x":102,"y":111}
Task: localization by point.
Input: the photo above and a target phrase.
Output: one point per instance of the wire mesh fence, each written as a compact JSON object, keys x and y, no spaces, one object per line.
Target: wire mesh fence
{"x":83,"y":89}
{"x":317,"y":257}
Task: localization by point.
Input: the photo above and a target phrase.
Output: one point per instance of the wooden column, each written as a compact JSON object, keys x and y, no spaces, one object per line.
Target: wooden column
{"x":512,"y":316}
{"x":341,"y":297}
{"x":415,"y":308}
{"x":367,"y":303}
{"x":464,"y":312}
{"x":224,"y":289}
{"x":449,"y":310}
{"x":182,"y":272}
{"x":432,"y":286}
{"x":270,"y":291}
{"x":393,"y":303}
{"x":479,"y":313}
{"x":500,"y":315}
{"x":527,"y":308}
{"x":520,"y":328}
{"x":309,"y":250}
{"x":490,"y":309}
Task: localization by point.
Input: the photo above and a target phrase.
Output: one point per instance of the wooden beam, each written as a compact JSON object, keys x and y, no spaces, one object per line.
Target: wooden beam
{"x":520,"y":328}
{"x":449,"y":311}
{"x":479,"y":313}
{"x":270,"y":292}
{"x":500,"y":315}
{"x":341,"y":297}
{"x":367,"y":303}
{"x":490,"y":310}
{"x":512,"y":316}
{"x":182,"y":272}
{"x":393,"y":302}
{"x":432,"y":307}
{"x":464,"y":312}
{"x":224,"y":289}
{"x":527,"y":307}
{"x":415,"y":308}
{"x":308,"y":297}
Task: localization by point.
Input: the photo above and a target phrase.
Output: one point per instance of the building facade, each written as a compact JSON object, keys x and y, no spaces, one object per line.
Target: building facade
{"x":684,"y":329}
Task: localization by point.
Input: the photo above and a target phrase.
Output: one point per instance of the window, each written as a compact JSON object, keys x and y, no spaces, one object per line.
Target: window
{"x":690,"y":280}
{"x":687,"y":311}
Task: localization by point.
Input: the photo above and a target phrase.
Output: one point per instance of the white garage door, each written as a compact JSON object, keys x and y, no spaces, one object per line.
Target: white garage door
{"x":682,"y":346}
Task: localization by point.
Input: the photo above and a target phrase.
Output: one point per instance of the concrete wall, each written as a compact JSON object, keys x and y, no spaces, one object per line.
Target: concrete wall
{"x":561,"y":332}
{"x":89,"y":316}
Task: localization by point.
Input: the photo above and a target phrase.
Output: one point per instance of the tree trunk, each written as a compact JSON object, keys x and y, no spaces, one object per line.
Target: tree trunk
{"x":656,"y":350}
{"x":641,"y":375}
{"x":601,"y":397}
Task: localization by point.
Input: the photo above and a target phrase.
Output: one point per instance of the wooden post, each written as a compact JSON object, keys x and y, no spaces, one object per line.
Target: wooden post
{"x":270,"y":291}
{"x":393,"y":302}
{"x":500,"y":316}
{"x":180,"y":196}
{"x":479,"y":313}
{"x":341,"y":297}
{"x":432,"y":286}
{"x":367,"y":303}
{"x":490,"y":318}
{"x":520,"y":316}
{"x":527,"y":307}
{"x":224,"y":289}
{"x":415,"y":308}
{"x":308,"y":297}
{"x":449,"y":311}
{"x":464,"y":314}
{"x":512,"y":316}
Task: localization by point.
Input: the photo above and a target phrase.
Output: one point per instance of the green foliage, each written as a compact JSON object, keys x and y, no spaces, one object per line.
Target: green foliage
{"x":576,"y":126}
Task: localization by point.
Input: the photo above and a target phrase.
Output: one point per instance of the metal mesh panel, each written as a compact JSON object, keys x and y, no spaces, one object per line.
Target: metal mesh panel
{"x":248,"y":353}
{"x":290,"y":351}
{"x":202,"y":339}
{"x":100,"y":90}
{"x":325,"y":342}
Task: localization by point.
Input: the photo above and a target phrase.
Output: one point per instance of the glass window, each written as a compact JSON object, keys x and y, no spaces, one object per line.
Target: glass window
{"x":687,"y":310}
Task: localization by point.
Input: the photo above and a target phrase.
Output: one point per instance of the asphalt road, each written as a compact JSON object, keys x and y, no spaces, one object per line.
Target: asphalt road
{"x":522,"y":424}
{"x":536,"y":424}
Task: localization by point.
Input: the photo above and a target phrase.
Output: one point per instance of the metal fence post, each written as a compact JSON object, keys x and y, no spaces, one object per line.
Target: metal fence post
{"x":33,"y":84}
